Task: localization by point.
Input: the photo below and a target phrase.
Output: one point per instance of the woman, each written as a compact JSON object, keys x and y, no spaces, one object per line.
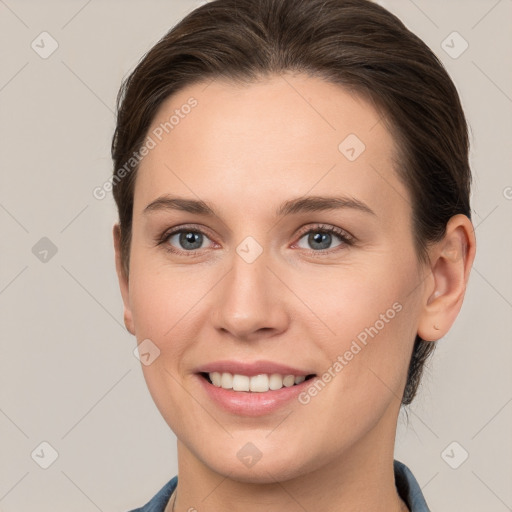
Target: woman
{"x":294,"y":235}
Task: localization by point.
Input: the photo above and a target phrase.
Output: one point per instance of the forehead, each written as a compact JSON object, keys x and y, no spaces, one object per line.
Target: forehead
{"x":286,"y":134}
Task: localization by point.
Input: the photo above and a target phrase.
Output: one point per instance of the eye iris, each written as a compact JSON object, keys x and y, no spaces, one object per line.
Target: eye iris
{"x":190,"y":237}
{"x":324,"y":239}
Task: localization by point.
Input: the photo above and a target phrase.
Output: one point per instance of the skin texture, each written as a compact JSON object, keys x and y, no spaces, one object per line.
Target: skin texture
{"x":245,"y":150}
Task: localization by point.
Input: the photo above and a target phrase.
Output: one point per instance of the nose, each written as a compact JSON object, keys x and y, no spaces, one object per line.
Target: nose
{"x":251,"y":301}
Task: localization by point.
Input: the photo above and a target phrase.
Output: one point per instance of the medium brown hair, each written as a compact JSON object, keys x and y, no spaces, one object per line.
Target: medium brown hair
{"x":352,"y":43}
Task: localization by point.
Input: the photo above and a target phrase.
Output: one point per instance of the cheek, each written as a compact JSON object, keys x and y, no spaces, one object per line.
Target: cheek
{"x":162,"y":299}
{"x":353,"y":301}
{"x":371,"y":314}
{"x":162,"y":308}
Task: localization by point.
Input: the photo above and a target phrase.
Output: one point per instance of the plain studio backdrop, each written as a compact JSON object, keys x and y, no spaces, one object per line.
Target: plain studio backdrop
{"x":78,"y":428}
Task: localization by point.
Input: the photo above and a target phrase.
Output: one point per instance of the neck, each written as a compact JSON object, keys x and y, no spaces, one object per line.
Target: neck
{"x":359,"y":479}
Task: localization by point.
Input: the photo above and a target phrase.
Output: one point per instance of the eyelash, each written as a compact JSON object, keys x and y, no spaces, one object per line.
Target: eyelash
{"x":345,"y":238}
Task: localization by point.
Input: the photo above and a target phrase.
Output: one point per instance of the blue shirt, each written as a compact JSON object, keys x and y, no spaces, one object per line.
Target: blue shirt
{"x":407,"y":486}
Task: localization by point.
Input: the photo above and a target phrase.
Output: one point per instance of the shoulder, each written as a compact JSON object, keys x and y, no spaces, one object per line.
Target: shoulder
{"x":409,"y":489}
{"x":159,"y":501}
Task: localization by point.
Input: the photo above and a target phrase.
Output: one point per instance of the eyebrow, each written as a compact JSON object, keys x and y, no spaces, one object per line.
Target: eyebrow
{"x":290,"y":207}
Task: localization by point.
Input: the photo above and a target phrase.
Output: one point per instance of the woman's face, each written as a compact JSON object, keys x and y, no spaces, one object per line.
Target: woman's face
{"x":257,"y":284}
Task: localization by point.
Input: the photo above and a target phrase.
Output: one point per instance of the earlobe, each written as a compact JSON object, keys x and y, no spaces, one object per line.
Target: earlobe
{"x":123,"y":279}
{"x":451,"y":260}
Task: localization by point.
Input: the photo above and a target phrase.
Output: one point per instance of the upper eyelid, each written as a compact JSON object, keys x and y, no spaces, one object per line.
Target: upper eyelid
{"x":173,"y":231}
{"x":324,"y":227}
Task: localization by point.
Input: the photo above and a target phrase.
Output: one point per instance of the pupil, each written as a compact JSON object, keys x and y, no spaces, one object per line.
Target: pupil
{"x":323,"y":239}
{"x":191,"y":238}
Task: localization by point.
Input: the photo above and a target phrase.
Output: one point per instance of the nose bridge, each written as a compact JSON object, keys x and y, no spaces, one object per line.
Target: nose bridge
{"x":248,"y":300}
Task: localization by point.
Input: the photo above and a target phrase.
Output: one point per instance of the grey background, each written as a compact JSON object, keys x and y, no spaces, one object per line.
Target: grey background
{"x":68,"y":375}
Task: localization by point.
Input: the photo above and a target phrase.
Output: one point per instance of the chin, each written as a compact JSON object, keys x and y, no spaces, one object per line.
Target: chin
{"x":260,"y":462}
{"x":262,"y":472}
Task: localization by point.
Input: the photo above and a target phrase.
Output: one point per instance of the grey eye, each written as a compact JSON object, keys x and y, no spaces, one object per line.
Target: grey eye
{"x":319,"y":240}
{"x":187,"y":240}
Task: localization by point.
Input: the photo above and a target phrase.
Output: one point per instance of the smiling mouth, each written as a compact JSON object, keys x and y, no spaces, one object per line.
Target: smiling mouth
{"x":261,"y":383}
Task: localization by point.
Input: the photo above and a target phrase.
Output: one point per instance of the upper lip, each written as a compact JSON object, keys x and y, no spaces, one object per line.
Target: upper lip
{"x":251,"y":368}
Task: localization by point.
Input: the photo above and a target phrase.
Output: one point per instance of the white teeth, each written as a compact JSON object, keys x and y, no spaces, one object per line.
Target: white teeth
{"x":215,"y":377}
{"x":258,"y":383}
{"x":275,"y":381}
{"x":226,"y":381}
{"x":289,"y":381}
{"x":241,"y":383}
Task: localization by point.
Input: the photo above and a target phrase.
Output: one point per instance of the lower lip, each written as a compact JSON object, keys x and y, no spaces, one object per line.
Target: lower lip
{"x":248,"y":403}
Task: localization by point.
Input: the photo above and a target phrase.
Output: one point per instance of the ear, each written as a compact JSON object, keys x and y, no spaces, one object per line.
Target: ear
{"x":451,"y":260}
{"x":123,"y":280}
